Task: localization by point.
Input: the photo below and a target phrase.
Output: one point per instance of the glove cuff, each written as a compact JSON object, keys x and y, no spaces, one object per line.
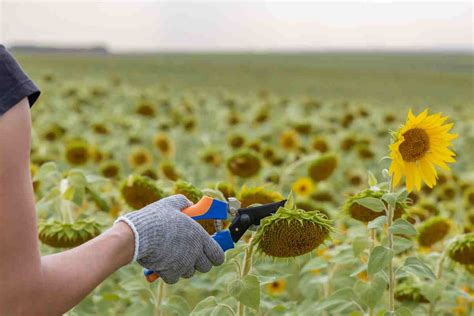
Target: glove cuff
{"x":135,"y":233}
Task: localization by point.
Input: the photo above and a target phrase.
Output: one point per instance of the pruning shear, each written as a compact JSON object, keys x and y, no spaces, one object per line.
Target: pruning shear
{"x":244,"y":218}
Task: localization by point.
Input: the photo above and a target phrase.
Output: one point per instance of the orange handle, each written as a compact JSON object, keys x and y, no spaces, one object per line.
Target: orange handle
{"x":200,"y":208}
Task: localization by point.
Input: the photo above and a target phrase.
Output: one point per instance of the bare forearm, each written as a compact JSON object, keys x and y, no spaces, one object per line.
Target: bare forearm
{"x":69,"y":276}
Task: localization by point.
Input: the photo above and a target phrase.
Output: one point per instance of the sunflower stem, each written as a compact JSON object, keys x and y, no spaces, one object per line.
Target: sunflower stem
{"x":246,"y":267}
{"x":160,"y":293}
{"x":438,"y":274}
{"x":391,"y":276}
{"x":373,"y":238}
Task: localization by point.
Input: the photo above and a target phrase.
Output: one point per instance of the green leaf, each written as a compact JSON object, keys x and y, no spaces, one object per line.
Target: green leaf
{"x":379,"y":259}
{"x":372,"y":179}
{"x":417,"y":267}
{"x":402,"y":196}
{"x":79,"y":193}
{"x":370,"y":293}
{"x":210,"y":307}
{"x":290,"y":202}
{"x":246,"y":291}
{"x":432,"y":291}
{"x":359,"y":244}
{"x":100,"y":202}
{"x":390,"y":198}
{"x":401,"y":244}
{"x":313,"y":264}
{"x":377,"y":223}
{"x":45,"y":170}
{"x":76,"y":178}
{"x":403,"y":311}
{"x":371,"y":203}
{"x":402,"y":227}
{"x":175,"y":305}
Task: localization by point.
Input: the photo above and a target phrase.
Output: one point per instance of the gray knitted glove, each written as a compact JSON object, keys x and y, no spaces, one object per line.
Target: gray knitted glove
{"x":171,"y":243}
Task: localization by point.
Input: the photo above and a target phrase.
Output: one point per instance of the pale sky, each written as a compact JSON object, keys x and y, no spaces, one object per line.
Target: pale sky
{"x":239,"y":25}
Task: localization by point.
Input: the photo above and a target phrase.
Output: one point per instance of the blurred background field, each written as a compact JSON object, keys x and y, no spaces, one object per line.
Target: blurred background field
{"x":251,"y":100}
{"x":397,"y":79}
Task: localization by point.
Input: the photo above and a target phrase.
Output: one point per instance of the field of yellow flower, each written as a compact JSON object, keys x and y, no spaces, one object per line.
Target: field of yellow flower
{"x":380,"y":220}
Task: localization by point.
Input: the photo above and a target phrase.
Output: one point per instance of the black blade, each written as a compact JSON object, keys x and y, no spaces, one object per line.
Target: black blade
{"x":249,"y":216}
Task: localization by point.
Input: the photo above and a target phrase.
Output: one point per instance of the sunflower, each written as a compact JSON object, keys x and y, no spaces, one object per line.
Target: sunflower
{"x":139,"y":191}
{"x":244,"y":164}
{"x":257,"y":195}
{"x":322,"y":167}
{"x":164,"y":144}
{"x":276,"y":287}
{"x":78,"y":152}
{"x":236,"y":141}
{"x":320,"y":144}
{"x":433,"y":230}
{"x":462,"y":249}
{"x":110,"y":169}
{"x":289,"y":140}
{"x":420,"y":145}
{"x":303,"y":186}
{"x":140,"y":157}
{"x":168,"y":169}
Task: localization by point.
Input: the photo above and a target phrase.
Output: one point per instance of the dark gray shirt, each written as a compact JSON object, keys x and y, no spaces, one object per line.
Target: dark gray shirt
{"x":14,"y":83}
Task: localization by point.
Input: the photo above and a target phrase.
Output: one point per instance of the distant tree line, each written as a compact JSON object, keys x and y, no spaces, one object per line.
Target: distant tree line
{"x":53,"y":49}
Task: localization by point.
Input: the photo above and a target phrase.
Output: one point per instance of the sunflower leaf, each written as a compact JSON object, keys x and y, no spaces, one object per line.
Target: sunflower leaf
{"x":402,"y":227}
{"x":415,"y":266}
{"x":379,"y":259}
{"x":371,"y":203}
{"x":246,"y":291}
{"x":377,"y":223}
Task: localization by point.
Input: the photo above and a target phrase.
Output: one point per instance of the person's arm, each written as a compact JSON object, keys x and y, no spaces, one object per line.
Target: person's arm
{"x":53,"y":284}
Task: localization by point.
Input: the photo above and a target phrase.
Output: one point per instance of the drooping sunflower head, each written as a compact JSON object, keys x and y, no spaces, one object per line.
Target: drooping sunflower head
{"x":322,"y":167}
{"x":244,"y":164}
{"x":416,"y":214}
{"x":289,"y":140}
{"x":320,"y":144}
{"x":145,"y":109}
{"x":447,"y":192}
{"x":303,"y":186}
{"x":462,"y":249}
{"x":408,"y":291}
{"x":292,"y":232}
{"x":359,"y":212}
{"x":433,"y":230}
{"x":211,"y":157}
{"x":58,"y":234}
{"x":100,"y":128}
{"x":164,"y":144}
{"x":139,"y":191}
{"x":110,"y":169}
{"x":420,"y":146}
{"x":236,"y":140}
{"x":53,"y":132}
{"x":140,"y":157}
{"x":148,"y":172}
{"x":188,"y":190}
{"x":469,"y":197}
{"x":168,"y":169}
{"x":257,"y":195}
{"x":227,"y":189}
{"x":78,"y":152}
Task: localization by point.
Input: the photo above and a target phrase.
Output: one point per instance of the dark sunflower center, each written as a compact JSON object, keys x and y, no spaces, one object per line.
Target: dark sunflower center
{"x":415,"y":145}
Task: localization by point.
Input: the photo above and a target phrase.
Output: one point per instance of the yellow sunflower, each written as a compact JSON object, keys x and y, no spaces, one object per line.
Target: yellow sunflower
{"x":420,"y":145}
{"x":276,"y":287}
{"x":303,"y":186}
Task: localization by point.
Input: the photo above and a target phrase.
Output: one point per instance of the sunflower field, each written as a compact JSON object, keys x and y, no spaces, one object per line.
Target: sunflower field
{"x":375,"y":153}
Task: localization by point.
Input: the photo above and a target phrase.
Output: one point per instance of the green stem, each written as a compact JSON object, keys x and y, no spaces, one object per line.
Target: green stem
{"x":246,"y":267}
{"x":373,"y":238}
{"x":438,"y":274}
{"x":160,"y":294}
{"x":391,"y":276}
